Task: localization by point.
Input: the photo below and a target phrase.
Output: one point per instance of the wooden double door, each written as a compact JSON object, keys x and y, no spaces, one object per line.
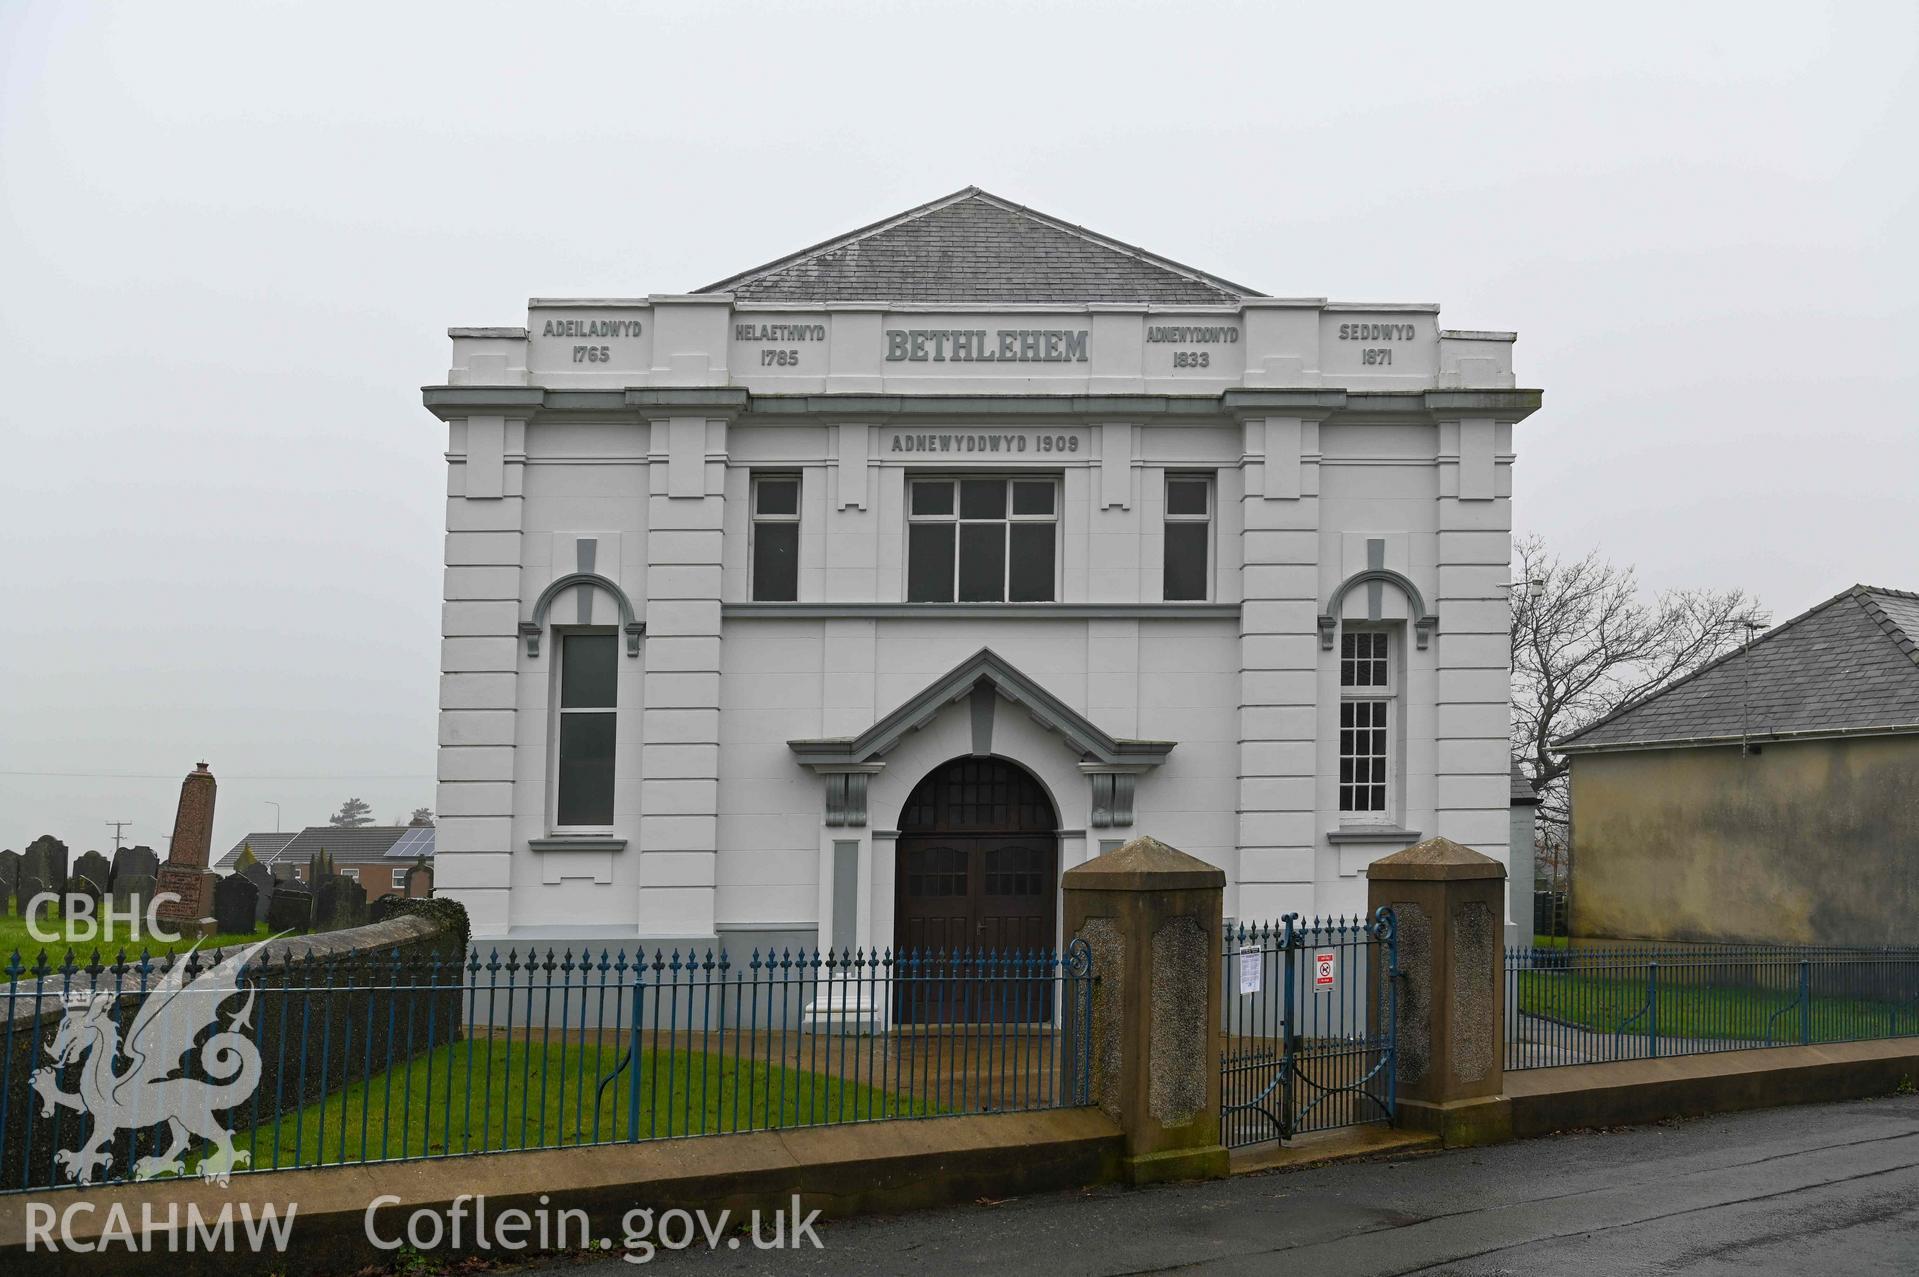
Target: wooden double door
{"x":977,"y":894}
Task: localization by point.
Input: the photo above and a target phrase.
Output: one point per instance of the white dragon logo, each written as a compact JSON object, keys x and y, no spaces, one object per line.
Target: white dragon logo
{"x":147,"y":1092}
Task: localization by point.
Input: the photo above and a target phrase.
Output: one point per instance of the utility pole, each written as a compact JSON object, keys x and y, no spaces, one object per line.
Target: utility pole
{"x":118,"y":836}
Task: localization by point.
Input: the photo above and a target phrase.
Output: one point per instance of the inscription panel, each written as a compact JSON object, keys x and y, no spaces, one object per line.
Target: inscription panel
{"x":767,"y":345}
{"x":589,"y":341}
{"x":1378,"y":343}
{"x":992,"y":446}
{"x":1198,"y":346}
{"x":985,"y":345}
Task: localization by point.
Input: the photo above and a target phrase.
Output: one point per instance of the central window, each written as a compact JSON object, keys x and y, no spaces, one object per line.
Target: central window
{"x":982,"y":540}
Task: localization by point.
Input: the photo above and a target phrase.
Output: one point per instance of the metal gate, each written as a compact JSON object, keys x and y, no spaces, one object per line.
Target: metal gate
{"x":1310,"y":1034}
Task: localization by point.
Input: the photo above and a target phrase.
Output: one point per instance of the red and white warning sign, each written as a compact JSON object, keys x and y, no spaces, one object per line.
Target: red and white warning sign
{"x":1325,"y":969}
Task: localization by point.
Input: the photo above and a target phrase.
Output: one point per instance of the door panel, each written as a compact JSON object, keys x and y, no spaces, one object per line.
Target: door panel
{"x":971,"y":910}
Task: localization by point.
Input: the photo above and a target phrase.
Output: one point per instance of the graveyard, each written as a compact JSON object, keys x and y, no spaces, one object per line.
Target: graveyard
{"x":221,"y":911}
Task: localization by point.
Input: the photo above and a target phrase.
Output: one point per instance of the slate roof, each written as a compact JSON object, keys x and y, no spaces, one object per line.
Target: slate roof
{"x":265,"y":846}
{"x":973,"y":246}
{"x":1521,"y":793}
{"x":1848,"y":666}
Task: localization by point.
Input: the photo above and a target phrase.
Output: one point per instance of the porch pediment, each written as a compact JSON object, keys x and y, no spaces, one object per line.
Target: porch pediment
{"x":985,"y":674}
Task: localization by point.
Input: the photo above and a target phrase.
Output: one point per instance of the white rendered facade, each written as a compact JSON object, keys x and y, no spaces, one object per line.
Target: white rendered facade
{"x":618,"y":442}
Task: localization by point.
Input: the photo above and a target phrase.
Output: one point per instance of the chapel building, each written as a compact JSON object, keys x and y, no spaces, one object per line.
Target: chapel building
{"x":852,"y":599}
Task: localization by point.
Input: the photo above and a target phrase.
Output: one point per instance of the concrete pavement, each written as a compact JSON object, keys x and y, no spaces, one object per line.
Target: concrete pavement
{"x":1829,"y":1188}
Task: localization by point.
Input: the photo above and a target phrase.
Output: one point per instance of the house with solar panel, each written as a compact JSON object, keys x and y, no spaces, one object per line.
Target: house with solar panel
{"x":1771,"y":795}
{"x":851,"y":599}
{"x":376,"y":856}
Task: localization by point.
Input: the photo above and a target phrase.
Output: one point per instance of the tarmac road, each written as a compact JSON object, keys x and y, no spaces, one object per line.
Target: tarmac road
{"x":1824,"y":1189}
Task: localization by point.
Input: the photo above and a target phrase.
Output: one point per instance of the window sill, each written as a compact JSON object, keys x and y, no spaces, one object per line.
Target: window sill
{"x":577,"y":842}
{"x":1372,"y":833}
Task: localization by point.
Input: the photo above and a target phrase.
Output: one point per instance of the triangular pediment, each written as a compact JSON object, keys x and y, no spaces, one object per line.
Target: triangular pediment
{"x":984,"y":669}
{"x":973,"y":247}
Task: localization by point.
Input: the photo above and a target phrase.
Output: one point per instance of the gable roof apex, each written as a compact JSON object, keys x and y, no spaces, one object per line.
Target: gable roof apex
{"x":974,"y":247}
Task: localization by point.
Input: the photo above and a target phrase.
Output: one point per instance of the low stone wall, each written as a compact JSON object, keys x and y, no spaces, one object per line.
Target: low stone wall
{"x":839,"y":1171}
{"x":318,"y":997}
{"x":1634,"y":1092}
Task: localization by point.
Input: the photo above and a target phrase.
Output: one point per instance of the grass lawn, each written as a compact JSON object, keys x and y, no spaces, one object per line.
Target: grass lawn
{"x":534,"y":1095}
{"x":1606,"y":1003}
{"x":1550,"y":942}
{"x":14,"y":938}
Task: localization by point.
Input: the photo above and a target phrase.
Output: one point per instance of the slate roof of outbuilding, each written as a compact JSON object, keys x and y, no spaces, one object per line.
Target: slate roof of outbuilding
{"x":347,"y":845}
{"x":973,"y":246}
{"x":1521,"y":794}
{"x":1848,"y":666}
{"x":265,"y":847}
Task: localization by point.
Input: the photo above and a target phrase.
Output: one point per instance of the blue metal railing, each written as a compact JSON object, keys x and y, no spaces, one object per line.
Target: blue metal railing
{"x":1592,"y":1002}
{"x":1310,"y":1034}
{"x":369,"y":1059}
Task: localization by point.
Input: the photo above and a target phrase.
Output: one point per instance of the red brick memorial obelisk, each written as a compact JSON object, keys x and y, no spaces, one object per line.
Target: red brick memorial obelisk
{"x":185,"y":871}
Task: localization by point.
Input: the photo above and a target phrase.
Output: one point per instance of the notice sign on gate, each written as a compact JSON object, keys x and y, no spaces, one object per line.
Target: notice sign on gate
{"x":1325,"y":969}
{"x":1251,"y":967}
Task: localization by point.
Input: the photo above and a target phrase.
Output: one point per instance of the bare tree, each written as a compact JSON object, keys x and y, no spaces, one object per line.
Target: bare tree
{"x":1585,"y":642}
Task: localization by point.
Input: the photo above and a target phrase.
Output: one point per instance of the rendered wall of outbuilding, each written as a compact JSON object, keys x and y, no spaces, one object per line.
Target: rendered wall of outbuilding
{"x":1813,"y":842}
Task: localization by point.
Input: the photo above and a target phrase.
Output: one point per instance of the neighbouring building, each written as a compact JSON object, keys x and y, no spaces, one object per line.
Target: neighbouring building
{"x":1771,"y":795}
{"x":853,"y":598}
{"x":376,"y":856}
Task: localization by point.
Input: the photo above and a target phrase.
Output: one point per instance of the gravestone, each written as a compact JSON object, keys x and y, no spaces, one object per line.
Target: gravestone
{"x":291,"y":908}
{"x":45,"y":860}
{"x":26,"y":887}
{"x":9,"y":878}
{"x":264,"y":885}
{"x":234,"y":898}
{"x":81,"y":885}
{"x":134,"y":860}
{"x":185,"y":873}
{"x":419,"y":880}
{"x":338,"y":902}
{"x":96,"y":869}
{"x":130,"y":893}
{"x":285,"y":871}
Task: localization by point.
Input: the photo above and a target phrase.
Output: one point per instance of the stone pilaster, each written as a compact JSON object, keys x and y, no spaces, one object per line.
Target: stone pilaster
{"x":680,"y":715}
{"x":1279,"y":661}
{"x":481,"y":650}
{"x":1152,"y":917}
{"x":1472,"y":555}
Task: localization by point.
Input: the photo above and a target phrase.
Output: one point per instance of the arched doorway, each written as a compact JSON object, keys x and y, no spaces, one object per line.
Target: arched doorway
{"x":977,"y":861}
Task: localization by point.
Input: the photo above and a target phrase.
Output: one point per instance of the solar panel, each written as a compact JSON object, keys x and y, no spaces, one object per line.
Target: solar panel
{"x":412,"y":844}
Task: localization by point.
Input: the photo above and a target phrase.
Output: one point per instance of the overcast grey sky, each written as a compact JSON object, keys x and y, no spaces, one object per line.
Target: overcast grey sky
{"x":233,"y":238}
